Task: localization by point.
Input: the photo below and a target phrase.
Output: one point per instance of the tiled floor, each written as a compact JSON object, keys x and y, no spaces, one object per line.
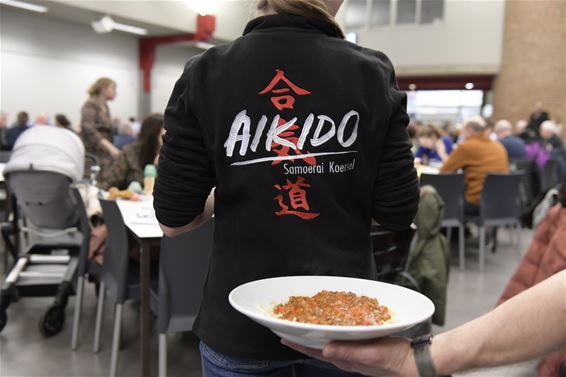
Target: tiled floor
{"x":23,"y":352}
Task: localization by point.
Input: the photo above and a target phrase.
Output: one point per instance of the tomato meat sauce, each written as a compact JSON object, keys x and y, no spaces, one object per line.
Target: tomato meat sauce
{"x":334,"y":308}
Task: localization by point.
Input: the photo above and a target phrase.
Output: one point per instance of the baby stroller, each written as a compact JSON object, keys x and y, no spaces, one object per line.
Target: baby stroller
{"x":44,"y":223}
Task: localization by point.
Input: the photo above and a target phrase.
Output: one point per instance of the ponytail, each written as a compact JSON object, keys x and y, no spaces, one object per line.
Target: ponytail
{"x":316,"y":9}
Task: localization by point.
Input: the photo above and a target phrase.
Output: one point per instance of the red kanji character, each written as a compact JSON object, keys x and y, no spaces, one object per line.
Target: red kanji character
{"x":283,"y":150}
{"x":298,"y":200}
{"x":286,"y":101}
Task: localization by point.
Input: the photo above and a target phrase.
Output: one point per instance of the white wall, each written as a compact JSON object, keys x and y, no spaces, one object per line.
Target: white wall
{"x":468,"y":40}
{"x":169,"y":63}
{"x":47,"y":65}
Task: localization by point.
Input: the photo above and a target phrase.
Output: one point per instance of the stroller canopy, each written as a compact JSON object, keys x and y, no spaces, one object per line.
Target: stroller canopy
{"x":47,"y":148}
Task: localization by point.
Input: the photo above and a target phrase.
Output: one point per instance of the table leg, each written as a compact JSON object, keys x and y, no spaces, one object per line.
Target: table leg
{"x":145,"y":312}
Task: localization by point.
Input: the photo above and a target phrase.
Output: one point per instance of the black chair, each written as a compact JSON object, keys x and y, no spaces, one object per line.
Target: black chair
{"x":86,"y":267}
{"x":529,"y":182}
{"x":391,"y":255}
{"x":451,"y":189}
{"x":549,"y":176}
{"x":500,"y":205}
{"x":118,"y":276}
{"x":183,"y":265}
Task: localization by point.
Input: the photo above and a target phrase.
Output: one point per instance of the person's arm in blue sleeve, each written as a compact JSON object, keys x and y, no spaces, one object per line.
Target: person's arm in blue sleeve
{"x":185,"y":173}
{"x":396,"y":190}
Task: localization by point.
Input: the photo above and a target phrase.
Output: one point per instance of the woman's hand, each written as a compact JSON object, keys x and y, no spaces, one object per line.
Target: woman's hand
{"x":114,"y":152}
{"x":391,"y":357}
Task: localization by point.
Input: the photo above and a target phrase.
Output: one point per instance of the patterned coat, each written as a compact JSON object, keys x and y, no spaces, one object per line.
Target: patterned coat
{"x":545,"y":257}
{"x":125,"y":169}
{"x":96,"y":125}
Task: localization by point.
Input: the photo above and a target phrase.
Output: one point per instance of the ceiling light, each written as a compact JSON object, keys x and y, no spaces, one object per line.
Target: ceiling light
{"x":106,"y":24}
{"x":130,"y":29}
{"x":23,"y":5}
{"x":203,"y":7}
{"x":204,"y":45}
{"x":469,"y":86}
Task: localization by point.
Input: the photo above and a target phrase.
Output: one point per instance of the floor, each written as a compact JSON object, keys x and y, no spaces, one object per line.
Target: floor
{"x":23,"y":351}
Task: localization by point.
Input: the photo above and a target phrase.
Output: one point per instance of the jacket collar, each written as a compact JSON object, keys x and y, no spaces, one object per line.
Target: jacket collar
{"x":290,"y":21}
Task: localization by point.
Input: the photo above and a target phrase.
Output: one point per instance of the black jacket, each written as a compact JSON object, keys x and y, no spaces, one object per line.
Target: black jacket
{"x":303,"y":135}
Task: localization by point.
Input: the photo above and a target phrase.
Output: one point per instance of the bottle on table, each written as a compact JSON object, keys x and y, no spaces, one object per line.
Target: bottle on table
{"x":149,"y":174}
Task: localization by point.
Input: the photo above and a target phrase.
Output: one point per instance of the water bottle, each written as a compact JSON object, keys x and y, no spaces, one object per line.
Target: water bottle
{"x":149,"y":174}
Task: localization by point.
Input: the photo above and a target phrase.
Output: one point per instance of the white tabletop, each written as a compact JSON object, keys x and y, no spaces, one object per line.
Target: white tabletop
{"x":140,"y":218}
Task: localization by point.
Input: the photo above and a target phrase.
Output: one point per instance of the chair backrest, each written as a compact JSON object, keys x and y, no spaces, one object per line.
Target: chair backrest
{"x":500,"y":197}
{"x":84,"y":225}
{"x":45,"y":198}
{"x":549,"y":176}
{"x":116,"y":258}
{"x":391,"y":252}
{"x":183,"y":266}
{"x":451,"y":189}
{"x":529,"y":182}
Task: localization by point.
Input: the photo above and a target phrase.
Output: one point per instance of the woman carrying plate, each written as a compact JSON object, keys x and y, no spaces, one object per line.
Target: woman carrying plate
{"x":303,"y":135}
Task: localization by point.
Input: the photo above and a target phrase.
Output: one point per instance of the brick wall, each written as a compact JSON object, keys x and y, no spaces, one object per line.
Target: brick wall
{"x":534,"y":60}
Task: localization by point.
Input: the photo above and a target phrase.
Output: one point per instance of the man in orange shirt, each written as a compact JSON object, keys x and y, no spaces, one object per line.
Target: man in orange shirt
{"x":477,"y":156}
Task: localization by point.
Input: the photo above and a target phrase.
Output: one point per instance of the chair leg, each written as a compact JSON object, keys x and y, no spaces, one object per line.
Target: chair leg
{"x":449,"y":236}
{"x":461,"y":246}
{"x":482,"y":248}
{"x":99,"y":310}
{"x":162,"y":355}
{"x":116,"y":339}
{"x":78,"y":310}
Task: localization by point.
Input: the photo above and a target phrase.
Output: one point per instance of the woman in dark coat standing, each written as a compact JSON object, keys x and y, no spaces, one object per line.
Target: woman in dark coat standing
{"x":96,"y":124}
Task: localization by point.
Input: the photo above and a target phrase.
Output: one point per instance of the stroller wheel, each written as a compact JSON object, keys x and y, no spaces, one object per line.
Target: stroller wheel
{"x":52,"y":322}
{"x":3,"y":319}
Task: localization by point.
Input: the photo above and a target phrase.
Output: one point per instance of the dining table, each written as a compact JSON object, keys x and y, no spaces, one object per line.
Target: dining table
{"x":139,"y":218}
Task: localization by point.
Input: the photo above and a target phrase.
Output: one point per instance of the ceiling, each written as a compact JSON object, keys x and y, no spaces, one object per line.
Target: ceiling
{"x":158,"y":17}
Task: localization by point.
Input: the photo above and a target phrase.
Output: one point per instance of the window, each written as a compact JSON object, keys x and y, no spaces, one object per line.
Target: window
{"x":406,"y":11}
{"x":356,"y":14}
{"x":431,"y":11}
{"x":444,"y":105}
{"x":380,"y":13}
{"x":375,"y":13}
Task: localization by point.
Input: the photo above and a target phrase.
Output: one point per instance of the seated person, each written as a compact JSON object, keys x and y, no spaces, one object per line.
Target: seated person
{"x":514,"y":145}
{"x":125,"y":136}
{"x":477,"y":155}
{"x":433,"y":146}
{"x":553,"y":144}
{"x":129,"y":165}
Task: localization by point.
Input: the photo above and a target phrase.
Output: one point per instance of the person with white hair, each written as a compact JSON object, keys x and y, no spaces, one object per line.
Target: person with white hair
{"x":477,"y":155}
{"x":514,"y":145}
{"x":553,"y":144}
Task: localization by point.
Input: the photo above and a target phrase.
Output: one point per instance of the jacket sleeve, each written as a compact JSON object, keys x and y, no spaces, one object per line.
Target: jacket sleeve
{"x":456,"y":160}
{"x":396,"y":188}
{"x":185,"y":172}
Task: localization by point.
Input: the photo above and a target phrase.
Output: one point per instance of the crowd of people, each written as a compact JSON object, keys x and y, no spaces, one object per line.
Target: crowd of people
{"x":481,"y":147}
{"x":120,"y":151}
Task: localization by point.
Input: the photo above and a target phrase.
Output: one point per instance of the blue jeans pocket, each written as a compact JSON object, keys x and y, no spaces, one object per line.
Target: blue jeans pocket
{"x":232,"y":363}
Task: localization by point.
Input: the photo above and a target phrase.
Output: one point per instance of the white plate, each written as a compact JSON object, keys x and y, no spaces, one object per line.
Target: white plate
{"x":258,"y":298}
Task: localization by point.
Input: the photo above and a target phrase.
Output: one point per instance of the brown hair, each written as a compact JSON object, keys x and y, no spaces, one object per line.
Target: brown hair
{"x":100,"y":84}
{"x":316,"y":9}
{"x":429,"y":131}
{"x":149,"y":139}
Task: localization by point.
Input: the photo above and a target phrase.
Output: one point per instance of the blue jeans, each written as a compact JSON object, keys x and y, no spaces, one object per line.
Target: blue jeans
{"x":215,"y":364}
